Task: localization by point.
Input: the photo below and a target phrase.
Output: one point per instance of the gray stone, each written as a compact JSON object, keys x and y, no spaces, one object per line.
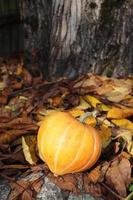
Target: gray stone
{"x":4,"y":190}
{"x":49,"y":191}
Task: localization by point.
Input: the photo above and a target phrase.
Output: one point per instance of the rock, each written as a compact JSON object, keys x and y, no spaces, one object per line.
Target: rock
{"x":49,"y":191}
{"x":4,"y":190}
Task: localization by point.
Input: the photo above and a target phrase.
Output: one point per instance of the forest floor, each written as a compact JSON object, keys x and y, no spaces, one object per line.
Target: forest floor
{"x":105,"y":103}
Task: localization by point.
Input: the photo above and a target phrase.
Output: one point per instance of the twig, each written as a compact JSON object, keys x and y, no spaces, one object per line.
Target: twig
{"x":15,"y":167}
{"x":129,"y":197}
{"x":114,"y":193}
{"x":36,"y":87}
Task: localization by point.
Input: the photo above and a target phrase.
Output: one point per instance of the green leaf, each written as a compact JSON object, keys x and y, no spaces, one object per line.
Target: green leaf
{"x":131,"y":188}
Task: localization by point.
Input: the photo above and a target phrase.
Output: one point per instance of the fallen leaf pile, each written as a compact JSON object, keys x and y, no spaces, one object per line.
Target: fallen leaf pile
{"x":104,"y":103}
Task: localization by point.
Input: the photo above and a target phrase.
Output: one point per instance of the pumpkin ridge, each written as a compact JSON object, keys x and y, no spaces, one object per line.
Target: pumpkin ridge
{"x":42,"y":141}
{"x":75,"y":159}
{"x":91,"y":159}
{"x":59,"y":148}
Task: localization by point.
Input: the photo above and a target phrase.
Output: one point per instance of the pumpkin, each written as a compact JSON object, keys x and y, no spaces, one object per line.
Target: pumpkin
{"x":66,"y":144}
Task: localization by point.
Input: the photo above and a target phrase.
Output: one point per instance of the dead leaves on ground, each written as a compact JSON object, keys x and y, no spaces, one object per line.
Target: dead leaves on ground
{"x":110,"y":176}
{"x":104,"y":103}
{"x":26,"y":188}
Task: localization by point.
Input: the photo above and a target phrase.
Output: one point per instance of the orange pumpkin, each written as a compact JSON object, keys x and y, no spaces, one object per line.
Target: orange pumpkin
{"x":66,"y":144}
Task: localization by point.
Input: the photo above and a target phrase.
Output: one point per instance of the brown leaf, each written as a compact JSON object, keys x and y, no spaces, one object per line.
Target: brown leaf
{"x":125,"y":169}
{"x":17,"y":189}
{"x":115,"y":176}
{"x":37,"y":184}
{"x":27,"y":77}
{"x":66,"y":182}
{"x":71,"y":100}
{"x":87,"y":83}
{"x":93,"y":189}
{"x":17,"y":123}
{"x":27,"y":195}
{"x":56,"y":101}
{"x":11,"y":135}
{"x":95,"y":175}
{"x":3,"y":100}
{"x":115,"y":89}
{"x":128,"y":101}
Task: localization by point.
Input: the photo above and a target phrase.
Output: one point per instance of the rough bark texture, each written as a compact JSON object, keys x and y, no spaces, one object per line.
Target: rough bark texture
{"x":72,"y":37}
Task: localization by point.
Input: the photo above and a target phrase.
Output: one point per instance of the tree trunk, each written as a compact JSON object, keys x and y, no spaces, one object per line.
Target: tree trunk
{"x":72,"y":37}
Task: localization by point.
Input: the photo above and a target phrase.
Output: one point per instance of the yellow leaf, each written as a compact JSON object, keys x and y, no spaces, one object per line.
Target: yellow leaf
{"x":83,"y":105}
{"x":44,"y":112}
{"x":105,"y":135}
{"x":92,"y":100}
{"x":75,"y":112}
{"x":119,"y":113}
{"x":95,"y":102}
{"x":91,"y":121}
{"x":123,"y":123}
{"x":29,"y":146}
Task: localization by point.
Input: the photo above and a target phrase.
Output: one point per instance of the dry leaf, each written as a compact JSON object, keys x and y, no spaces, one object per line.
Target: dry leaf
{"x":56,"y":101}
{"x":76,"y":112}
{"x":127,"y":136}
{"x":96,"y":103}
{"x":95,"y":175}
{"x":95,"y":190}
{"x":119,"y":113}
{"x":29,"y":147}
{"x":88,"y":83}
{"x":128,"y":101}
{"x":44,"y":112}
{"x":118,"y":176}
{"x":123,"y":123}
{"x":37,"y":184}
{"x":19,"y":70}
{"x":91,"y":121}
{"x":3,"y":100}
{"x":18,"y":188}
{"x":27,"y":195}
{"x":105,"y":88}
{"x":66,"y":182}
{"x":103,"y":120}
{"x":88,"y":99}
{"x":118,"y":89}
{"x":27,"y":77}
{"x":83,"y":105}
{"x":105,"y":134}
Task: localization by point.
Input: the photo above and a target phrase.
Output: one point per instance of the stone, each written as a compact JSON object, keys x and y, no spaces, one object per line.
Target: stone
{"x":49,"y":191}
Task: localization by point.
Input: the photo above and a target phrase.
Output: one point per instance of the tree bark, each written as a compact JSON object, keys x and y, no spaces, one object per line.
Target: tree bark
{"x":73,"y":37}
